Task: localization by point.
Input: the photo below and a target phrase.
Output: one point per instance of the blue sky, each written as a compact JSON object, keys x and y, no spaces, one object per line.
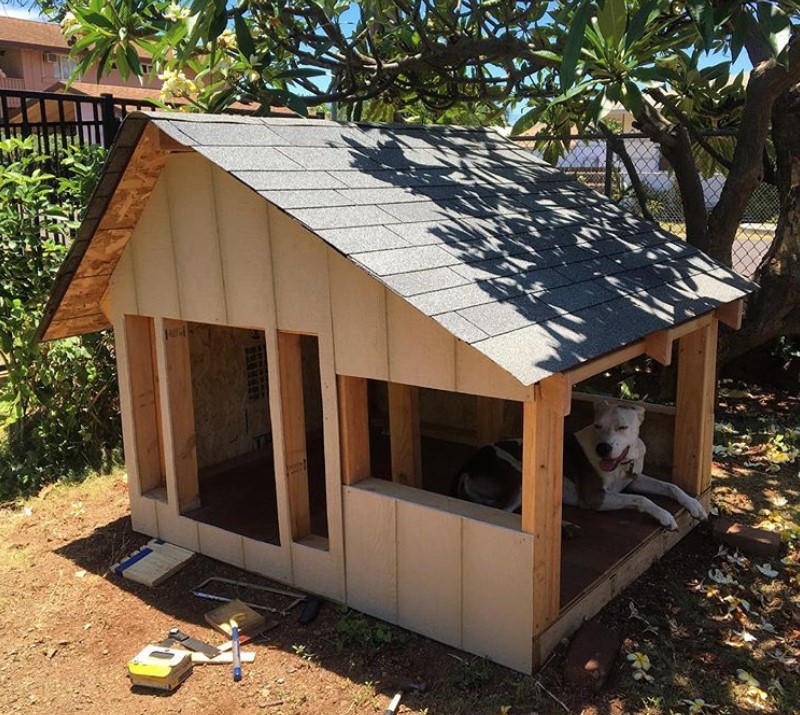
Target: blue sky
{"x":9,"y":10}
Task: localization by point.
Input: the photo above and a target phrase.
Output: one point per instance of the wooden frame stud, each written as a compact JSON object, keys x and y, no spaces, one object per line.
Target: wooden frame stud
{"x":404,"y":434}
{"x":353,"y":428}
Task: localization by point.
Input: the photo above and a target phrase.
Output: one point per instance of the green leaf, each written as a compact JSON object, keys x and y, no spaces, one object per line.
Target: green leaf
{"x":631,"y":98}
{"x":612,"y":20}
{"x":572,"y":49}
{"x":133,"y":60}
{"x":702,"y":13}
{"x":738,"y":35}
{"x":244,"y":38}
{"x":528,"y":119}
{"x":643,"y":17}
{"x":774,"y":26}
{"x":95,"y":18}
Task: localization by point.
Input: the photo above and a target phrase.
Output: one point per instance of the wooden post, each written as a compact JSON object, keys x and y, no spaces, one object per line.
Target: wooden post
{"x":490,"y":419}
{"x":294,"y":432}
{"x":404,"y":434}
{"x":145,"y":402}
{"x":694,"y":409}
{"x":180,"y":406}
{"x":353,"y":428}
{"x":542,"y":466}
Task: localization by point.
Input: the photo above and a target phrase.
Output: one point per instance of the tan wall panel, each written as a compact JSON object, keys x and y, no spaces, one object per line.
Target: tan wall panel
{"x":268,"y":560}
{"x":143,"y":514}
{"x":358,"y":303}
{"x":421,"y":352}
{"x":371,"y":553}
{"x":195,"y":238}
{"x":176,"y":529}
{"x":318,"y":571}
{"x":245,"y":249}
{"x":300,"y":268}
{"x":219,"y":544}
{"x":498,"y":582}
{"x":153,"y":258}
{"x":429,"y":572}
{"x":478,"y":375}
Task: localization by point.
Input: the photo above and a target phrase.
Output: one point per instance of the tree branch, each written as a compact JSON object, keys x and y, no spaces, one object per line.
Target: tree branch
{"x":617,"y":145}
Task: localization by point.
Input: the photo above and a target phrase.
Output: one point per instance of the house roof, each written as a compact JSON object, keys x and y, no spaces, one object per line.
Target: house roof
{"x":534,"y":270}
{"x":31,"y":34}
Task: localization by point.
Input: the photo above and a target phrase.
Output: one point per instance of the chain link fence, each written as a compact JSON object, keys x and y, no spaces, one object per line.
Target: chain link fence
{"x":591,"y":160}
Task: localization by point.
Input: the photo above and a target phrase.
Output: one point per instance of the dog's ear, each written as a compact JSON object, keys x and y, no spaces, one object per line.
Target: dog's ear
{"x":640,"y":412}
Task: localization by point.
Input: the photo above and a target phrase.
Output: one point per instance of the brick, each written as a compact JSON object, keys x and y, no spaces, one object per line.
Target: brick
{"x":748,"y":539}
{"x":591,"y":656}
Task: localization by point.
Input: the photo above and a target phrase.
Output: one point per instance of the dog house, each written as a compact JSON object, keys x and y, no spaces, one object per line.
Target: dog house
{"x":316,"y":323}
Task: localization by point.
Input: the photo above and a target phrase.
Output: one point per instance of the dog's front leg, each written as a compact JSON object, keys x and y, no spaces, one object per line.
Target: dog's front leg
{"x":657,"y":487}
{"x":633,"y":501}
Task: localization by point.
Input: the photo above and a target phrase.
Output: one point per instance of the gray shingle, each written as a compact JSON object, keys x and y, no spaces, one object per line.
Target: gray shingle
{"x":303,"y":198}
{"x":415,"y":282}
{"x":244,"y":158}
{"x":287,"y":180}
{"x":342,"y":217}
{"x":536,"y":271}
{"x":359,"y":240}
{"x":403,"y":260}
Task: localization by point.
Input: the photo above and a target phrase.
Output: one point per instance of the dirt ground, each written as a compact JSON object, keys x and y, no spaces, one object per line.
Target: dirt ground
{"x":68,"y":626}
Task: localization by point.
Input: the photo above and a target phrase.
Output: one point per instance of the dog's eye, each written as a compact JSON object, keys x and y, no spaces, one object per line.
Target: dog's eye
{"x":597,"y":426}
{"x":622,"y":428}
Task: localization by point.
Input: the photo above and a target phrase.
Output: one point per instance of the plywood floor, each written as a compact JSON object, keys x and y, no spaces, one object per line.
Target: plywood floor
{"x":605,"y":539}
{"x":241,"y":498}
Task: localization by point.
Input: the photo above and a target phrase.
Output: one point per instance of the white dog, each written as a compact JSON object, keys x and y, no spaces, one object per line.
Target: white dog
{"x":603,"y":466}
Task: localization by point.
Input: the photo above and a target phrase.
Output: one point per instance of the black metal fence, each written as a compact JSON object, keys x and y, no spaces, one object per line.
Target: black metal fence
{"x":592,"y":160}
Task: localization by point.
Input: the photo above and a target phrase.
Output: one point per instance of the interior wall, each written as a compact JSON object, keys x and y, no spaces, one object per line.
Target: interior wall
{"x":228,"y":422}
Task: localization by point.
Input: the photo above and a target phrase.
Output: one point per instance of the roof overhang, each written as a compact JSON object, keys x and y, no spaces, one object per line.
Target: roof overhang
{"x":76,"y":304}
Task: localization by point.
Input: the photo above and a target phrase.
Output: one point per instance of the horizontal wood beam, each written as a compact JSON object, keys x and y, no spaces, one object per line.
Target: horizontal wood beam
{"x":167,"y":143}
{"x":731,"y":314}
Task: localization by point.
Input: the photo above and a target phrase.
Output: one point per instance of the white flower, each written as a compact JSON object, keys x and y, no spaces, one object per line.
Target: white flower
{"x":746,"y":678}
{"x":767,"y":570}
{"x":69,"y":20}
{"x":176,"y":13}
{"x":176,"y":84}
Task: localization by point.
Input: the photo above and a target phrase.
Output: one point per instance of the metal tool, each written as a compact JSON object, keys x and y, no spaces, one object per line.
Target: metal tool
{"x":176,"y":635}
{"x":298,"y":597}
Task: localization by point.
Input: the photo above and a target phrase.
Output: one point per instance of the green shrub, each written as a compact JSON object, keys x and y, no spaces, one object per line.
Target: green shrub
{"x":59,"y":399}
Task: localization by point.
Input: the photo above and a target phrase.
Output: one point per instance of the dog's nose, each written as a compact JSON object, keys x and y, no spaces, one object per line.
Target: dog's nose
{"x":603,"y":449}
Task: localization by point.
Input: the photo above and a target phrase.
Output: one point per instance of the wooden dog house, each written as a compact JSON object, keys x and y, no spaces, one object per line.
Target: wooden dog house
{"x":316,"y":322}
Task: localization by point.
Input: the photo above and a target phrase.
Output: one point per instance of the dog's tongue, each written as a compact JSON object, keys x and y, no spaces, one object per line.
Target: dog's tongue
{"x":609,"y":465}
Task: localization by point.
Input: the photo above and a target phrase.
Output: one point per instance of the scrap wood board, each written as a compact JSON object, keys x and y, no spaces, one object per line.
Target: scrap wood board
{"x":248,"y":621}
{"x":153,"y":563}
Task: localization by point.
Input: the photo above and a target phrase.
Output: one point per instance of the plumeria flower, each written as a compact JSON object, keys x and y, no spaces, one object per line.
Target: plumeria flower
{"x":747,"y":679}
{"x":176,"y":84}
{"x":640,"y":664}
{"x":746,"y":636}
{"x":699,"y":706}
{"x":68,"y":21}
{"x":175,"y":12}
{"x":718,"y":576}
{"x":767,"y":570}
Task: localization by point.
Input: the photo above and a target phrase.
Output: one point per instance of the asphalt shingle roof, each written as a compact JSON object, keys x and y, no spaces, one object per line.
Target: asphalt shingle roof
{"x":534,"y":270}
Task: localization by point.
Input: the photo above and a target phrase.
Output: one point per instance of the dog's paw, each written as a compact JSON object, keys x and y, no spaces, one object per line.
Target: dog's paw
{"x":695,"y":508}
{"x":570,"y":530}
{"x":668,"y":521}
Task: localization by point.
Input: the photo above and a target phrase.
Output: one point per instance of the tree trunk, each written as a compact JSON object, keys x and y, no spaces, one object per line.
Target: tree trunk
{"x":775,"y":309}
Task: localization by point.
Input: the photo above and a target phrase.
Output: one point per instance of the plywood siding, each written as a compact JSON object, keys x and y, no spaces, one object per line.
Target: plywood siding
{"x":429,"y":563}
{"x":153,"y":258}
{"x":245,"y":251}
{"x":195,"y":238}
